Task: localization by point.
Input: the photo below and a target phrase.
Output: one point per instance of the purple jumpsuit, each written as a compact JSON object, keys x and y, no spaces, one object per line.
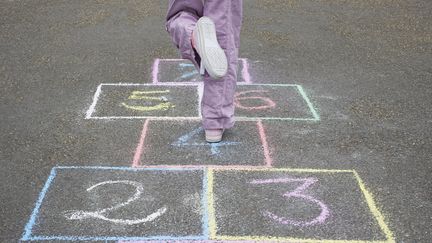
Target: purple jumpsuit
{"x":217,"y":105}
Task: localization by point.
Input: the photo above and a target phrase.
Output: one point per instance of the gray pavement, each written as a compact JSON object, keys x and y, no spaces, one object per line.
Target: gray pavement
{"x":336,"y":145}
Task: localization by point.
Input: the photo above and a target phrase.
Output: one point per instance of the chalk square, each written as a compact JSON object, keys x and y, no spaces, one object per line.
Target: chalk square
{"x":274,"y":102}
{"x":169,"y":143}
{"x":121,"y":203}
{"x":301,"y":205}
{"x":183,"y":71}
{"x":140,"y":101}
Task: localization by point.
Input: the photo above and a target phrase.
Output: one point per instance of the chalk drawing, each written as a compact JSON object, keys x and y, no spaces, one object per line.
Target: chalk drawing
{"x":268,"y":102}
{"x":89,"y":114}
{"x":265,"y":145}
{"x":143,"y":95}
{"x":214,"y":147}
{"x":297,"y":193}
{"x":140,"y":147}
{"x":100,"y":214}
{"x":187,"y":74}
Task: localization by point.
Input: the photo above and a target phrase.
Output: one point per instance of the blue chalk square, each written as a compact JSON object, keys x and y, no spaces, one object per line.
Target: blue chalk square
{"x":120,"y":203}
{"x":280,"y":102}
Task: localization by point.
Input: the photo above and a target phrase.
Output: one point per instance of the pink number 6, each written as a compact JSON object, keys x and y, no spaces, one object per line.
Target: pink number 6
{"x":297,"y":193}
{"x":268,"y":102}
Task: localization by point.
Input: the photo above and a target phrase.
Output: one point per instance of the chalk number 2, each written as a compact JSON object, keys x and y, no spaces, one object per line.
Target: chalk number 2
{"x":298,"y":193}
{"x":101,"y":213}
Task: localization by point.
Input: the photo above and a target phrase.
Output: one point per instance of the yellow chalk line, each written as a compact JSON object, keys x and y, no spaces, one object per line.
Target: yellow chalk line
{"x":374,"y":209}
{"x":210,"y":204}
{"x":285,"y":239}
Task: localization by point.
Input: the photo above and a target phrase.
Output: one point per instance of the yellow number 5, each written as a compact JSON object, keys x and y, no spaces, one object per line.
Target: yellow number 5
{"x":144,"y":95}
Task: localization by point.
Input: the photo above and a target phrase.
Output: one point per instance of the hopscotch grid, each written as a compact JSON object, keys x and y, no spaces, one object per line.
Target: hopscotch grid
{"x":208,"y":202}
{"x":366,"y":194}
{"x":91,"y":110}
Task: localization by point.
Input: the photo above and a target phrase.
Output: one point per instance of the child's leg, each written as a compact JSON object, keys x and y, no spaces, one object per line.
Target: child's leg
{"x":180,"y":22}
{"x":218,"y":97}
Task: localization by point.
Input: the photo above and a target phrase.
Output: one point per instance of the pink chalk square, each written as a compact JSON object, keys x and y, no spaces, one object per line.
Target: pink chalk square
{"x":287,"y":204}
{"x":182,"y":143}
{"x":183,"y":71}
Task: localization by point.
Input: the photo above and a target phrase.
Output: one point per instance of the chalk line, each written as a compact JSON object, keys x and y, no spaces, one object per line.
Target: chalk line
{"x":29,"y":226}
{"x":245,"y":71}
{"x":204,"y":205}
{"x":308,"y":102}
{"x":200,"y":90}
{"x":140,"y":146}
{"x":267,"y":157}
{"x":95,"y":99}
{"x":155,"y":71}
{"x":374,"y":209}
{"x":212,"y":226}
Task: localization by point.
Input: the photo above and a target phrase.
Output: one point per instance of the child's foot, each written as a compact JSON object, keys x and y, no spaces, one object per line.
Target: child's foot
{"x":204,"y":40}
{"x":214,"y":135}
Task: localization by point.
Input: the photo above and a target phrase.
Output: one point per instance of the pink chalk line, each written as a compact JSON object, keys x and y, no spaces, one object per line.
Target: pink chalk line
{"x":263,"y":137}
{"x":220,"y":167}
{"x":205,"y":241}
{"x":140,"y":147}
{"x":245,"y":71}
{"x":155,"y":70}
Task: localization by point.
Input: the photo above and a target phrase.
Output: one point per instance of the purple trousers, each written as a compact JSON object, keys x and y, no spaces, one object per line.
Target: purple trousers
{"x":217,"y":104}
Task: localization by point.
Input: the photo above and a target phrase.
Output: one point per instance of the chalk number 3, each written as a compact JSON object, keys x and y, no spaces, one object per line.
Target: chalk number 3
{"x":101,"y":213}
{"x":298,"y":193}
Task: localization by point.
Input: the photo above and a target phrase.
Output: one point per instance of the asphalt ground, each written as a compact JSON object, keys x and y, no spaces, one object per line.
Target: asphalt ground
{"x":343,"y":154}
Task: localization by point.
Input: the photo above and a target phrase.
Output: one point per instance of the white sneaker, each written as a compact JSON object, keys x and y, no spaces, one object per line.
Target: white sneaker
{"x":213,"y":58}
{"x":214,"y":136}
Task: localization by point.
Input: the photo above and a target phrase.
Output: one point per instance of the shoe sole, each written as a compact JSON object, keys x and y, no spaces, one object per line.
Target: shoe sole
{"x":213,"y":139}
{"x":213,"y":57}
